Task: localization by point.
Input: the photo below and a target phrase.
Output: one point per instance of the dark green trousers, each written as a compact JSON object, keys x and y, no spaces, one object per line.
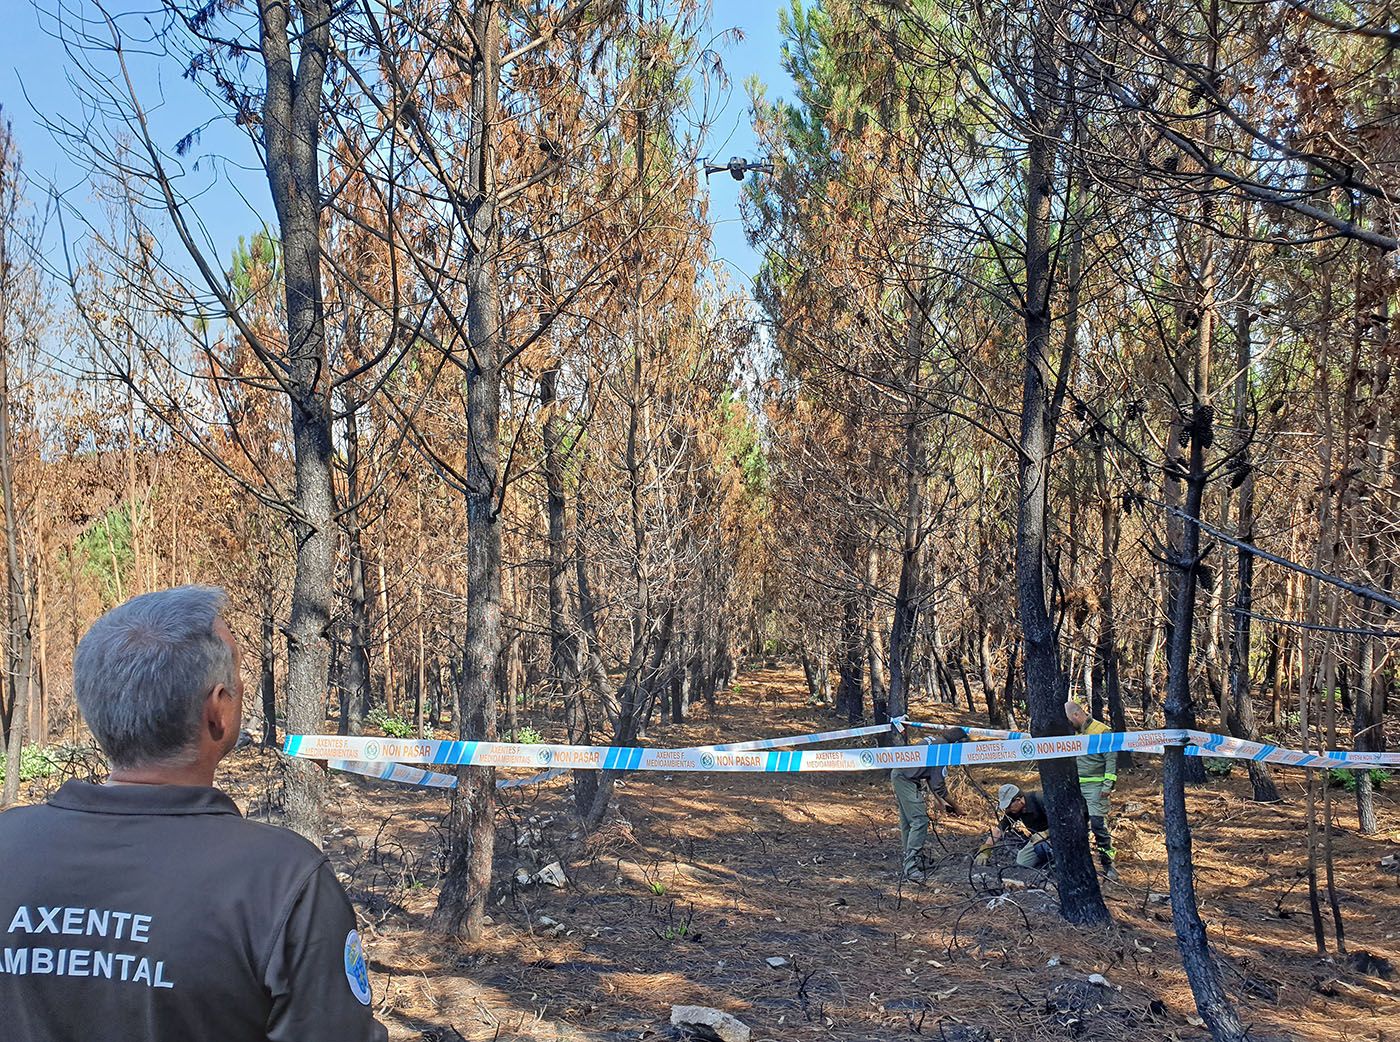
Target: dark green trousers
{"x":913,"y":821}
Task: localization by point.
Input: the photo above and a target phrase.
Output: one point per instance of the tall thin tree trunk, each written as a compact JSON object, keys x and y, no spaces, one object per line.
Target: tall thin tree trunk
{"x":1199,"y":962}
{"x":291,"y":122}
{"x":902,"y":629}
{"x":17,"y":656}
{"x":1314,"y":647}
{"x":386,"y":637}
{"x":42,"y":689}
{"x":850,"y":697}
{"x":1079,"y":895}
{"x":462,"y":900}
{"x":1106,"y":649}
{"x":356,"y":686}
{"x":563,"y":643}
{"x":875,"y":662}
{"x":18,"y":675}
{"x":1368,"y":731}
{"x":1239,"y":706}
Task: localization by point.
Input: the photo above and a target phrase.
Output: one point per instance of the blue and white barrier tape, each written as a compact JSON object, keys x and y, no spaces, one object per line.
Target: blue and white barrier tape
{"x":395,"y":772}
{"x":990,"y":732}
{"x":402,"y":773}
{"x":405,"y":775}
{"x":798,"y":739}
{"x":632,"y":758}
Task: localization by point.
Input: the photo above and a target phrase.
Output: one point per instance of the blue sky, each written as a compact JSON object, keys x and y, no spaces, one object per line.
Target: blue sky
{"x":34,"y":82}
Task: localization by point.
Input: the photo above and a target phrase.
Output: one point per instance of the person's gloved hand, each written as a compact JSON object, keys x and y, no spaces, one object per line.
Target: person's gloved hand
{"x":1108,"y":781}
{"x":952,"y":809}
{"x":983,"y":855}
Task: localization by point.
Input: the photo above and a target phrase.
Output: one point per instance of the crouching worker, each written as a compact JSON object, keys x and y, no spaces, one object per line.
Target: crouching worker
{"x":1026,"y":809}
{"x":913,"y":813}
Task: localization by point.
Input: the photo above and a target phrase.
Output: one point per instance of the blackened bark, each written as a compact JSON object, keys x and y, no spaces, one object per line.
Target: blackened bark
{"x":996,"y":711}
{"x":1201,"y":968}
{"x":268,"y":680}
{"x":291,"y":120}
{"x":1009,"y":689}
{"x":591,"y":659}
{"x":677,"y":690}
{"x":635,"y":697}
{"x":875,"y":664}
{"x":1368,"y":732}
{"x":472,"y":829}
{"x":902,"y":628}
{"x":563,"y":644}
{"x":850,"y":698}
{"x":1106,"y":647}
{"x":810,"y":674}
{"x":355,"y":673}
{"x":902,"y":631}
{"x":1080,"y":898}
{"x":435,"y":692}
{"x":1239,"y":706}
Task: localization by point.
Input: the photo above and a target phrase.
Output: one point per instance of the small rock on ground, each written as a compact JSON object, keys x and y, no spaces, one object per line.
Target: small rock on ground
{"x":715,"y":1025}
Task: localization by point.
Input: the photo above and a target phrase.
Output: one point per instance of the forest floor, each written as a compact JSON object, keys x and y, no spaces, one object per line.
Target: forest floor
{"x":697,"y":880}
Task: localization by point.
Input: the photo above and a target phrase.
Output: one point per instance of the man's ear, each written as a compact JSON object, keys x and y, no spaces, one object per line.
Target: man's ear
{"x":218,"y":713}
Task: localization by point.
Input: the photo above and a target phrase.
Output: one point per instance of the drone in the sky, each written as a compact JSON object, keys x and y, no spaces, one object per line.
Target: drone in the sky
{"x":737,"y":168}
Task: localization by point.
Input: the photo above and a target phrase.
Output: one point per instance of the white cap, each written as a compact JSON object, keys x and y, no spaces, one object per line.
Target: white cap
{"x":1005,"y":795}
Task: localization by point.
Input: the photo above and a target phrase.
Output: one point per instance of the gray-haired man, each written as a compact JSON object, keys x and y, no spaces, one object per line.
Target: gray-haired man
{"x":147,"y":908}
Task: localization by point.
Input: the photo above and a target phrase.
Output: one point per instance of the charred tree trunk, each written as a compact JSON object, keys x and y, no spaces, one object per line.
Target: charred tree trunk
{"x":677,"y":686}
{"x":1106,"y":647}
{"x":850,"y":697}
{"x":1185,"y":559}
{"x":996,"y":707}
{"x":635,"y":699}
{"x":268,"y":680}
{"x":472,"y":836}
{"x":291,"y":121}
{"x":902,"y":629}
{"x":879,"y":690}
{"x":1368,"y":731}
{"x":1239,"y":714}
{"x":1201,"y":968}
{"x":563,"y":641}
{"x":1080,"y":898}
{"x":434,"y":692}
{"x":357,"y":688}
{"x":590,"y":650}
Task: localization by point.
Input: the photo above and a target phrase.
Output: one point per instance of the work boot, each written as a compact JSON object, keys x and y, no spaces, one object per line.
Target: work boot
{"x":916,"y":875}
{"x":1109,"y":872}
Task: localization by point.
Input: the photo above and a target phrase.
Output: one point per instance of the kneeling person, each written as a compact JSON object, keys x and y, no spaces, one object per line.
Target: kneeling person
{"x":1028,"y":810}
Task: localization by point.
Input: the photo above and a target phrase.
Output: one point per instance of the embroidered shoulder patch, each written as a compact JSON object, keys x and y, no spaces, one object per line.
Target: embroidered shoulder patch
{"x":356,"y":971}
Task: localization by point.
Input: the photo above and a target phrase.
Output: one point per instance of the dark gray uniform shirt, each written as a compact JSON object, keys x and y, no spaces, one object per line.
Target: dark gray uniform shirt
{"x":157,"y":913}
{"x":936,"y":778}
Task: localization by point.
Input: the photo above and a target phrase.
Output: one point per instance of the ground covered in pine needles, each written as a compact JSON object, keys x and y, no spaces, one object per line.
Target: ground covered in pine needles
{"x":696,"y":882}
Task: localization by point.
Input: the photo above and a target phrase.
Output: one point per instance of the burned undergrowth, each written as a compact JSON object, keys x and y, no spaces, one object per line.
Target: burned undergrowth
{"x":776,"y":899}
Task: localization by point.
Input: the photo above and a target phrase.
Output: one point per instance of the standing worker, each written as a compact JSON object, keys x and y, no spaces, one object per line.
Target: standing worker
{"x":913,"y":813}
{"x":1097,"y":773}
